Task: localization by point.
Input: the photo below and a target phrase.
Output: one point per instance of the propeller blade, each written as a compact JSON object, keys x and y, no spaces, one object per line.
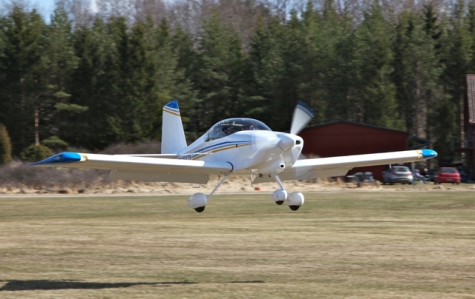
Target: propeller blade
{"x":302,"y":115}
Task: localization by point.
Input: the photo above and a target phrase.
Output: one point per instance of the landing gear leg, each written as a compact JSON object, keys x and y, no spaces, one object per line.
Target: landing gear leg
{"x":279,"y":195}
{"x":219,"y":184}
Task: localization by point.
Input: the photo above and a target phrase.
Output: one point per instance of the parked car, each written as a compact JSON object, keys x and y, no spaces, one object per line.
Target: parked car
{"x":447,"y":175}
{"x":398,"y":174}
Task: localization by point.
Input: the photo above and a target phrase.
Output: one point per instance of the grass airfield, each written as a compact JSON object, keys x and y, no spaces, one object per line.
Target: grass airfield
{"x":338,"y":245}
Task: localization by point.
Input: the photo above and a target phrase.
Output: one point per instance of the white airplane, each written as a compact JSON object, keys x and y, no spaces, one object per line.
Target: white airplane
{"x":234,"y":146}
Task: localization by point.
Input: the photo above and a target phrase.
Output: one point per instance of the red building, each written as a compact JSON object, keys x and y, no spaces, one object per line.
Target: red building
{"x":343,"y":138}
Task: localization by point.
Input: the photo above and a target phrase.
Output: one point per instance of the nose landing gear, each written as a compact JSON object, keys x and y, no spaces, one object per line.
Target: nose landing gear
{"x":295,"y":200}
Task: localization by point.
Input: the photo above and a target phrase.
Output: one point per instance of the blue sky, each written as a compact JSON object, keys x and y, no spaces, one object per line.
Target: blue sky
{"x":45,"y":7}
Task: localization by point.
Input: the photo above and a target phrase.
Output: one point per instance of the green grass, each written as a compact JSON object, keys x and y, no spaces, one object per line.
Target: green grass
{"x":338,"y":245}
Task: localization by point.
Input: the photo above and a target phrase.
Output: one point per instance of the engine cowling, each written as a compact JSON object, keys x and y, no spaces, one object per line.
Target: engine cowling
{"x":198,"y":201}
{"x":295,"y":200}
{"x":275,"y":167}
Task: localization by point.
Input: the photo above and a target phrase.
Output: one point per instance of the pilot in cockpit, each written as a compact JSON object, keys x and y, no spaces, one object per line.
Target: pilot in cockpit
{"x":248,"y":126}
{"x":219,"y":132}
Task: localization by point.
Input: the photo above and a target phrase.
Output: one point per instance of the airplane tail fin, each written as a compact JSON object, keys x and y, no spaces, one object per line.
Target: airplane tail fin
{"x":173,"y":135}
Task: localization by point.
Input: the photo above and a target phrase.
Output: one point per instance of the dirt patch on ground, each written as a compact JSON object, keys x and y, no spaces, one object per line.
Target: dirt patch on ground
{"x":236,"y":184}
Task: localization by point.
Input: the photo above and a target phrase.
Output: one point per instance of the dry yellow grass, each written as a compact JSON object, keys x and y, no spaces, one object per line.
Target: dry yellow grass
{"x":339,"y":245}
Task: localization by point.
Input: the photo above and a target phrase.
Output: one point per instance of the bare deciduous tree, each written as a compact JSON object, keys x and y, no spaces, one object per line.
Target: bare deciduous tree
{"x":155,"y":9}
{"x":81,"y":12}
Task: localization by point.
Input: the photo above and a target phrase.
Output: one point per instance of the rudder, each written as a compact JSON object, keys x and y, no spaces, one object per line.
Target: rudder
{"x":173,"y":135}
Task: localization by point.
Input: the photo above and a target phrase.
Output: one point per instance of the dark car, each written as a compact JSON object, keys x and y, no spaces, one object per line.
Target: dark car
{"x":398,"y":174}
{"x":447,"y":175}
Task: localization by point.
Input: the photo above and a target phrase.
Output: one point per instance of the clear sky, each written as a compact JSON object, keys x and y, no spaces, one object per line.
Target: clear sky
{"x":44,"y":7}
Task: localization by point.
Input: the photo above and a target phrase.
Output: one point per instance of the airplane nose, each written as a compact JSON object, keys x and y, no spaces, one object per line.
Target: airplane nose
{"x":286,"y":142}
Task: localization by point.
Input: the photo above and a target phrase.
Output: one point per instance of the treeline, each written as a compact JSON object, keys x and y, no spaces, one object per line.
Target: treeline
{"x":90,"y":84}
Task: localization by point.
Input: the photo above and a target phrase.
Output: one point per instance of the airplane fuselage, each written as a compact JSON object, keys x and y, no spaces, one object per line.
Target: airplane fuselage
{"x":264,"y":151}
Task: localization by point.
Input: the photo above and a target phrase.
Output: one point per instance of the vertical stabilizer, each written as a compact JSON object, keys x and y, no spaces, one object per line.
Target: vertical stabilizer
{"x":173,"y":135}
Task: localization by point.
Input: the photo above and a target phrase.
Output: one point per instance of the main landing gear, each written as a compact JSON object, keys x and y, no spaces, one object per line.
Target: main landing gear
{"x":198,"y":201}
{"x":294,"y":200}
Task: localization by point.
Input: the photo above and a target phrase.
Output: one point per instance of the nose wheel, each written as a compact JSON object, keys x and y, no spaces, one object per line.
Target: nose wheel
{"x":294,"y":200}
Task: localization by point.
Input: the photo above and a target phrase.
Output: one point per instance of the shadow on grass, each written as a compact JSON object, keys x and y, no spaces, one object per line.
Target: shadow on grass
{"x":31,"y":285}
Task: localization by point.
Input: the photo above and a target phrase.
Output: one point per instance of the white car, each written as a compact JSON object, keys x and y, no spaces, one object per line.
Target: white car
{"x":398,"y":174}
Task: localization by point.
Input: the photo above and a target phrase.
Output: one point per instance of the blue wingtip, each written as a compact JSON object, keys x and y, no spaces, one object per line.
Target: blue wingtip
{"x":66,"y":157}
{"x":428,"y":153}
{"x":172,"y":104}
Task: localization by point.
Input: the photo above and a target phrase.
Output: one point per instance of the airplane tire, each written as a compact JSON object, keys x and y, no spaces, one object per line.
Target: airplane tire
{"x":200,"y":209}
{"x":279,"y":202}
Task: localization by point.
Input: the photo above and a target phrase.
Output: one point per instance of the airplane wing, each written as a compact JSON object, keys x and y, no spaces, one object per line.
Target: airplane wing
{"x":140,"y":168}
{"x":339,"y":166}
{"x":167,"y":156}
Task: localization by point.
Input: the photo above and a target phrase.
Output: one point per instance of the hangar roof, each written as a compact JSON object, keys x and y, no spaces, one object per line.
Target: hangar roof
{"x":416,"y":142}
{"x":357,"y":124}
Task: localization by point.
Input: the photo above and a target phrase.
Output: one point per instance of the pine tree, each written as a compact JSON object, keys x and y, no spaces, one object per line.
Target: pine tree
{"x":172,"y":77}
{"x":62,"y":61}
{"x":432,"y":26}
{"x":456,"y":54}
{"x":375,"y":66}
{"x":22,"y":69}
{"x":268,"y":72}
{"x":417,"y":73}
{"x":5,"y":146}
{"x":338,"y":64}
{"x":219,"y":73}
{"x":470,"y":19}
{"x":149,"y":77}
{"x":92,"y":86}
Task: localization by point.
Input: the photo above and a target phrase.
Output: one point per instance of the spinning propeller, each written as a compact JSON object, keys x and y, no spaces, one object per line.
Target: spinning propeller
{"x":302,"y":115}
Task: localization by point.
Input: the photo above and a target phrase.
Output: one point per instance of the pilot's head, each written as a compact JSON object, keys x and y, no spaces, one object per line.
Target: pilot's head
{"x":248,"y":126}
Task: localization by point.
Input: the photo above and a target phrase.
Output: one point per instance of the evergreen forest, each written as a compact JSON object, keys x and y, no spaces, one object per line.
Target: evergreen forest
{"x":97,"y":73}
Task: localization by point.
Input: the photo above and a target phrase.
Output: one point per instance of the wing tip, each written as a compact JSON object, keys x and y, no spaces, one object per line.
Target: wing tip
{"x":428,"y":153}
{"x":65,"y":157}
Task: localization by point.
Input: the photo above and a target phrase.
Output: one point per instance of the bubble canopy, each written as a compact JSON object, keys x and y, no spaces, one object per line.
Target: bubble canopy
{"x":232,"y":125}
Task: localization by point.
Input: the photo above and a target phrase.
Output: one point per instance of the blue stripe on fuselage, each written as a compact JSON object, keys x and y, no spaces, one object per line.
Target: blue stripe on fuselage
{"x":219,"y":145}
